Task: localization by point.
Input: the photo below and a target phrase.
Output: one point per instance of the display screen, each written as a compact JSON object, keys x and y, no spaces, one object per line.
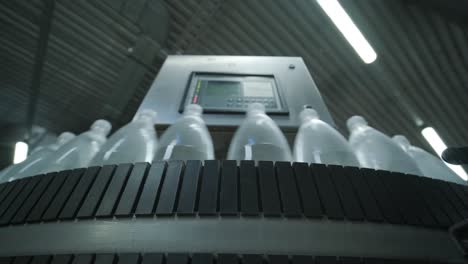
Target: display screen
{"x":222,"y":88}
{"x":256,"y":88}
{"x":234,"y":92}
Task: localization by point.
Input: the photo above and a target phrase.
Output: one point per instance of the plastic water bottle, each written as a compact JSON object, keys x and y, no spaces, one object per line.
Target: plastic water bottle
{"x":430,"y":165}
{"x":187,"y":139}
{"x":36,"y":161}
{"x":376,"y":150}
{"x":318,"y":142}
{"x":80,"y":151}
{"x":134,"y":142}
{"x":259,"y":138}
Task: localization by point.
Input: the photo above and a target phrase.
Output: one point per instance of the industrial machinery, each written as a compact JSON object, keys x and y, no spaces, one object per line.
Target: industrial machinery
{"x":219,"y":211}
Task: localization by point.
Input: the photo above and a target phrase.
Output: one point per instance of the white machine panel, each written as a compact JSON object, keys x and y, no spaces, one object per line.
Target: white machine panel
{"x":225,"y":85}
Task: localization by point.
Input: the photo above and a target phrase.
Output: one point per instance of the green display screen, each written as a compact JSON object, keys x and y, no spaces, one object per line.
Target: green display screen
{"x":222,"y":88}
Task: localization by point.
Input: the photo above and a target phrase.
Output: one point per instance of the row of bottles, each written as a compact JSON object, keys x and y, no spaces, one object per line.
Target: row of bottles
{"x":257,"y":138}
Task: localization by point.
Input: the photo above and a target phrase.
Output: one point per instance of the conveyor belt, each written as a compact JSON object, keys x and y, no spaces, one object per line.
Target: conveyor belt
{"x":222,"y":190}
{"x":199,"y":258}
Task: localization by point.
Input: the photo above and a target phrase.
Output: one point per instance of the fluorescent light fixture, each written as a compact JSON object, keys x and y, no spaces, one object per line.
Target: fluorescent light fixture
{"x":439,"y":146}
{"x":349,"y":30}
{"x":21,"y":152}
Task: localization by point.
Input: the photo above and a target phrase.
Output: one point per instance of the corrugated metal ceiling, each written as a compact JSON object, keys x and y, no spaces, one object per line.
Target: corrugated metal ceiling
{"x":419,"y":77}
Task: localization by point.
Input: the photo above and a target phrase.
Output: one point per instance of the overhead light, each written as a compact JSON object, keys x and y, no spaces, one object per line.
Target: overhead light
{"x":436,"y":142}
{"x":349,"y":30}
{"x":21,"y":152}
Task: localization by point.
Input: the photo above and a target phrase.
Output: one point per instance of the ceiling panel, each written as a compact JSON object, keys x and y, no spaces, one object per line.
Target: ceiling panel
{"x":418,"y":79}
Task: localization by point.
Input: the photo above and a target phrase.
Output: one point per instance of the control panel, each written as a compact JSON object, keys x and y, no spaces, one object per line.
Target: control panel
{"x":225,"y":86}
{"x":218,"y":93}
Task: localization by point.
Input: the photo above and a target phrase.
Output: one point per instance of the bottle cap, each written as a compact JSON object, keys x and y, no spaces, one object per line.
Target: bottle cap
{"x":256,"y":108}
{"x":146,"y":115}
{"x":402,"y":141}
{"x":101,"y":126}
{"x":193,"y":109}
{"x":64,"y":138}
{"x":355,"y":122}
{"x":307,"y":114}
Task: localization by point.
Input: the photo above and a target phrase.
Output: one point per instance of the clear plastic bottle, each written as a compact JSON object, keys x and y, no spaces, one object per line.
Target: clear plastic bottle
{"x":134,"y":142}
{"x":187,"y":139}
{"x":259,"y":138}
{"x":78,"y":152}
{"x":318,"y":142}
{"x":430,"y":165}
{"x":36,"y":161}
{"x":376,"y":150}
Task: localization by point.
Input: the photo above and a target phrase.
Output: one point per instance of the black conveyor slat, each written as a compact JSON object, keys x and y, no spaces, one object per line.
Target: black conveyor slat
{"x":62,"y":196}
{"x":349,"y":200}
{"x":22,"y":260}
{"x":42,"y":259}
{"x":430,"y":199}
{"x":79,"y":193}
{"x":61,"y":259}
{"x":289,"y":193}
{"x":170,"y":186}
{"x":132,"y":188}
{"x":104,"y":259}
{"x":418,"y":205}
{"x":400,"y":196}
{"x":32,"y":198}
{"x":227,"y":259}
{"x":153,"y":258}
{"x":209,"y":188}
{"x":269,"y":192}
{"x":229,"y":188}
{"x":17,"y":187}
{"x":278,"y":259}
{"x":111,"y":197}
{"x":380,"y":193}
{"x":254,"y":259}
{"x":326,"y":260}
{"x":327,"y":192}
{"x":2,"y":187}
{"x":129,"y":258}
{"x":460,"y":191}
{"x":308,"y":190}
{"x":83,"y":259}
{"x":189,"y":188}
{"x":248,"y":182}
{"x":369,"y":204}
{"x":9,"y":186}
{"x":302,"y":260}
{"x":19,"y":199}
{"x":350,"y":260}
{"x":6,"y":260}
{"x":151,"y":189}
{"x":445,"y":203}
{"x":173,"y":258}
{"x":202,"y":258}
{"x":49,"y":194}
{"x":453,"y":198}
{"x":96,"y":192}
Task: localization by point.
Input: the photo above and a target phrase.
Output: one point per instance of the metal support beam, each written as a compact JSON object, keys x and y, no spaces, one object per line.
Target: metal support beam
{"x":45,"y":26}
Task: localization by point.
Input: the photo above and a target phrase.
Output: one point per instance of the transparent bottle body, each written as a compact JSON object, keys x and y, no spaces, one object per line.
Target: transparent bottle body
{"x":33,"y":165}
{"x":259,"y":138}
{"x":135,"y":142}
{"x":187,"y":139}
{"x":75,"y":154}
{"x":433,"y":167}
{"x":318,"y":142}
{"x":375,"y":150}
